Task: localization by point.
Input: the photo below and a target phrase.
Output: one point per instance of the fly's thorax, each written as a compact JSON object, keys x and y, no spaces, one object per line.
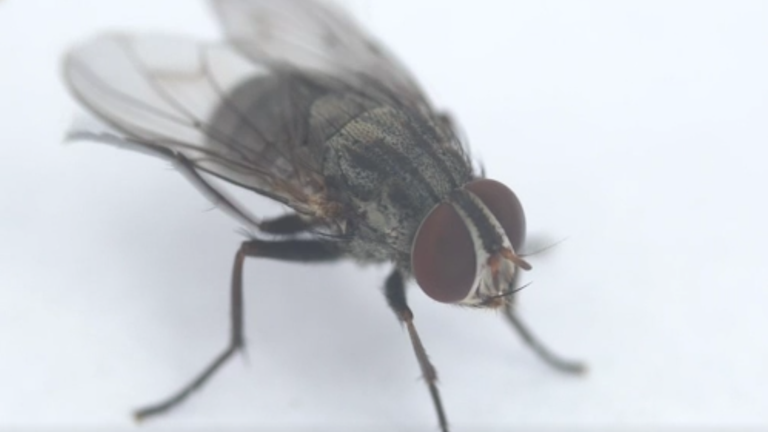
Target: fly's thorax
{"x":465,"y":250}
{"x":390,"y":168}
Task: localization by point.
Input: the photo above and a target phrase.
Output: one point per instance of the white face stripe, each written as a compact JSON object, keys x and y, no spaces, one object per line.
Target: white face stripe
{"x":481,"y":256}
{"x":483,"y":284}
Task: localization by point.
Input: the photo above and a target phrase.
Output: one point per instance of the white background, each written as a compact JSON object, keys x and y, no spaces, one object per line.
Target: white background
{"x":635,"y":129}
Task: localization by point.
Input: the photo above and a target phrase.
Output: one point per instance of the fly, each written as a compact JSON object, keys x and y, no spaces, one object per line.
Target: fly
{"x":301,"y":105}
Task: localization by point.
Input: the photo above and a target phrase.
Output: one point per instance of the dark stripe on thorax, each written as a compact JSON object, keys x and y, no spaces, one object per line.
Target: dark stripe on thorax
{"x":387,"y":161}
{"x":430,"y":139}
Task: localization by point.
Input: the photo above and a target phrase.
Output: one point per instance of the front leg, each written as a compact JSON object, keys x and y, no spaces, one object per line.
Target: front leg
{"x":395,"y":292}
{"x":285,"y":250}
{"x":544,"y":353}
{"x":541,"y":350}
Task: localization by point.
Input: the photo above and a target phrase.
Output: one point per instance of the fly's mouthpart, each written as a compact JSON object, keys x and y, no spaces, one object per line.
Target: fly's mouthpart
{"x":495,"y":281}
{"x":504,"y":297}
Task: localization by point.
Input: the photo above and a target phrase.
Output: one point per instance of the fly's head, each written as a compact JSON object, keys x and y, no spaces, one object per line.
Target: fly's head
{"x":465,"y":251}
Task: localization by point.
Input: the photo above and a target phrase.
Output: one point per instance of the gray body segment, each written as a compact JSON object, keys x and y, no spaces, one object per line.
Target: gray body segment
{"x":299,"y":104}
{"x":378,"y":166}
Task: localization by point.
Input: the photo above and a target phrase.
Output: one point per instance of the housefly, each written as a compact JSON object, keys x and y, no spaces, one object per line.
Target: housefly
{"x":300,"y":105}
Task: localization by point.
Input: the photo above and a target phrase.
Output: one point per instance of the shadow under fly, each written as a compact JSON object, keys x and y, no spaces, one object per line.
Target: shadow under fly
{"x":299,"y":104}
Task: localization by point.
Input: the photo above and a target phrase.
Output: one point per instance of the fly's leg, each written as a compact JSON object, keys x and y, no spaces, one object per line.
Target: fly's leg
{"x":544,"y":353}
{"x":287,"y":250}
{"x":395,"y":292}
{"x":285,"y":225}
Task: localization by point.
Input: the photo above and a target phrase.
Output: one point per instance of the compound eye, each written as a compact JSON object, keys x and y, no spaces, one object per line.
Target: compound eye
{"x":504,"y":205}
{"x":443,"y":256}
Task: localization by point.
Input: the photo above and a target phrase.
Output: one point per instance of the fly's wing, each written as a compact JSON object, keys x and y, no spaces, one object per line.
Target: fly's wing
{"x":242,"y":110}
{"x":207,"y":106}
{"x":310,"y":35}
{"x":315,"y":36}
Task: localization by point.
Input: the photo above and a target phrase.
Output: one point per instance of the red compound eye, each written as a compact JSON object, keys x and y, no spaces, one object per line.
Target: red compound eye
{"x":443,"y":256}
{"x":504,"y":205}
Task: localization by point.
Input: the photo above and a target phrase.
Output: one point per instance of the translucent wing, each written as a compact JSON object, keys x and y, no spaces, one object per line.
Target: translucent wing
{"x":256,"y":111}
{"x":197,"y":102}
{"x":311,"y":35}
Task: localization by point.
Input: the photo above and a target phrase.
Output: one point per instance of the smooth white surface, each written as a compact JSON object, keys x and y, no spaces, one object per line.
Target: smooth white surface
{"x":637,"y":130}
